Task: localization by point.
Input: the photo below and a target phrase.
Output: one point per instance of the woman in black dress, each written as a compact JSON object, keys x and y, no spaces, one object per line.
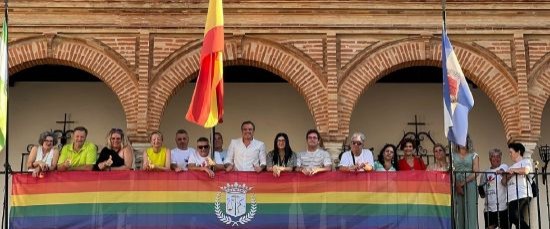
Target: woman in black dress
{"x":117,"y":154}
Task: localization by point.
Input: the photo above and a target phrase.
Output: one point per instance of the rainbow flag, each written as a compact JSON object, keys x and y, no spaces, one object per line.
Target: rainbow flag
{"x":206,"y":107}
{"x":137,"y":199}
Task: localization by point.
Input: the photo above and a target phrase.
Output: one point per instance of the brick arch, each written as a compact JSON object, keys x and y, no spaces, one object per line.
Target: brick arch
{"x":301,"y":72}
{"x":539,"y":93}
{"x":492,"y":77}
{"x":90,"y":56}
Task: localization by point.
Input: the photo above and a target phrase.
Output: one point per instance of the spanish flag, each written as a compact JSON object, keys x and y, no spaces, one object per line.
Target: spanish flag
{"x":206,"y":107}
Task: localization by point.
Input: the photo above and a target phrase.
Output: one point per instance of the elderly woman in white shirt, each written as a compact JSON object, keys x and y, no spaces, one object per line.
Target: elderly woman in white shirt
{"x":43,"y":157}
{"x":519,"y":188}
{"x":357,"y":159}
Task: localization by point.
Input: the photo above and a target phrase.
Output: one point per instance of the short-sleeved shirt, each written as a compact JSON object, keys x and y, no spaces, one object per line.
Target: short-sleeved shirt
{"x":290,"y":163}
{"x":380,"y":167}
{"x":223,"y":154}
{"x":157,"y":159}
{"x":364,"y":158}
{"x":85,"y":156}
{"x":200,"y":161}
{"x":245,"y":157}
{"x":521,"y":191}
{"x":180,"y":157}
{"x":493,"y":185}
{"x":318,"y":158}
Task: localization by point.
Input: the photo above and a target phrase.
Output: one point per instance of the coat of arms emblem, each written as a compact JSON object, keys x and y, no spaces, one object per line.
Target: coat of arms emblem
{"x":235,"y":204}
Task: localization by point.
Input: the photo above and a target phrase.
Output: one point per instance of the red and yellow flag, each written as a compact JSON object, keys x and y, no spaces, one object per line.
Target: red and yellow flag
{"x":206,"y":107}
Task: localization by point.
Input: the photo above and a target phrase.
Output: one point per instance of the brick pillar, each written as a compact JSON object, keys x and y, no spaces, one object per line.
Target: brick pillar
{"x":334,"y":139}
{"x":144,"y":66}
{"x":144,"y":62}
{"x":520,"y":65}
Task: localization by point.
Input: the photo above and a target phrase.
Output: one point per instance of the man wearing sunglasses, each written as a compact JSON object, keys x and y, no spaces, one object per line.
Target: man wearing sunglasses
{"x":357,"y":159}
{"x":201,"y":160}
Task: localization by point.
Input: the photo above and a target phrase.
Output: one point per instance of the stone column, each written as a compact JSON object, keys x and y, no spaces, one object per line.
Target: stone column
{"x":334,"y":148}
{"x":138,"y":153}
{"x":530,"y":149}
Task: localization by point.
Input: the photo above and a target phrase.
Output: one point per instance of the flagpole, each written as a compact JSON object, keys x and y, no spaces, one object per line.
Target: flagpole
{"x":213,"y":139}
{"x":7,"y":167}
{"x":451,"y":167}
{"x":444,"y":12}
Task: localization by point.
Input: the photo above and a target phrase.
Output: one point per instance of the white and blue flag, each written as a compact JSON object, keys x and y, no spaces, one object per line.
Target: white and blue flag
{"x":457,"y":98}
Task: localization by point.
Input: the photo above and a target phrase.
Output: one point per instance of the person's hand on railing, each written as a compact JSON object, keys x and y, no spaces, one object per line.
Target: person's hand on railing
{"x":307,"y":171}
{"x":353,"y":168}
{"x":228,"y":167}
{"x":208,"y":171}
{"x":258,"y":169}
{"x":367,"y":167}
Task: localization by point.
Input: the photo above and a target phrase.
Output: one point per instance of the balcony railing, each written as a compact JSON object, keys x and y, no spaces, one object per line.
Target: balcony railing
{"x":504,"y":211}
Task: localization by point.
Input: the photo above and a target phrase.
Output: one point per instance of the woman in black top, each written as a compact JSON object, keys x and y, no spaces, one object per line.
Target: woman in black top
{"x":117,"y":154}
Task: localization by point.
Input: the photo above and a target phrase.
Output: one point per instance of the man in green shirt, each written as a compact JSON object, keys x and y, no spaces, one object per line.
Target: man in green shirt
{"x":78,"y":155}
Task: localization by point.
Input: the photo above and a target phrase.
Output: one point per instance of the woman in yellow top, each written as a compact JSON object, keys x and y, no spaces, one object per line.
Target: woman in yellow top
{"x":156,"y":157}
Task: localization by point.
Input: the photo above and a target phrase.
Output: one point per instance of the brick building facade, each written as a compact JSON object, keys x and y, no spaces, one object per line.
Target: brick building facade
{"x":329,"y":51}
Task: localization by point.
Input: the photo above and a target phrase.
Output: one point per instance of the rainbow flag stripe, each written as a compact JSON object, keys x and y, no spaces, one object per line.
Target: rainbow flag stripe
{"x":136,"y":199}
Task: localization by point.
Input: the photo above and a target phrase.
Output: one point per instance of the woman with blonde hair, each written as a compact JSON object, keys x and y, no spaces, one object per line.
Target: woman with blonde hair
{"x":156,"y":157}
{"x":440,"y":156}
{"x":117,"y":154}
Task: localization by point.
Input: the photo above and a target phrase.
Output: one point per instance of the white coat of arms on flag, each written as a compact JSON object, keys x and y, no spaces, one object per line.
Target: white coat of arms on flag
{"x":235,"y":204}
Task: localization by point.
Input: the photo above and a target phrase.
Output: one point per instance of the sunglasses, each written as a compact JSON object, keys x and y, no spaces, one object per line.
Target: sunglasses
{"x":357,"y":143}
{"x":203,"y":147}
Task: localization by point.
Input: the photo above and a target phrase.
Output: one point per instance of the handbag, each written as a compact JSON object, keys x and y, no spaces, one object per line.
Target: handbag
{"x":481,"y":191}
{"x":534,"y":187}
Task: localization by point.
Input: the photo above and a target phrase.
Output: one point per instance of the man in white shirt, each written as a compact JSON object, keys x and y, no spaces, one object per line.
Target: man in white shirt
{"x":246,"y":153}
{"x":201,"y":160}
{"x":495,"y":213}
{"x":315,"y":159}
{"x":180,"y":154}
{"x":218,"y":145}
{"x":357,"y":159}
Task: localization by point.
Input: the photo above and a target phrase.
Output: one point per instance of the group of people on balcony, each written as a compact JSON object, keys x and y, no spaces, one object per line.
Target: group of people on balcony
{"x":243,"y":154}
{"x":249,"y":154}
